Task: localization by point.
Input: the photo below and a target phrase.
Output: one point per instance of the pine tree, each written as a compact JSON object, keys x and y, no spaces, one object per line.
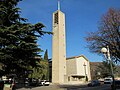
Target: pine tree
{"x":18,"y":39}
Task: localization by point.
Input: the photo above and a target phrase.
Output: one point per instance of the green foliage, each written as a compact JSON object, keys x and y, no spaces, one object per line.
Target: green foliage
{"x":47,"y":65}
{"x":45,"y":72}
{"x":46,"y":55}
{"x":40,"y":71}
{"x":18,"y":39}
{"x":104,"y":69}
{"x":108,"y":34}
{"x":117,"y":74}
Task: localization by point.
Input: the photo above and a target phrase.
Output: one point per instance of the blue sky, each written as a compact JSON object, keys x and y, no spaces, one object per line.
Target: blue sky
{"x":82,"y":16}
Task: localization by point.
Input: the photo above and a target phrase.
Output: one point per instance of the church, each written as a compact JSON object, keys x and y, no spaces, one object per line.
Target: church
{"x":66,"y":70}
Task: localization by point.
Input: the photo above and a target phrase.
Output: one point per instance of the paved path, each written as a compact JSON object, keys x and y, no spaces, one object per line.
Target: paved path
{"x":51,"y":87}
{"x":68,"y":87}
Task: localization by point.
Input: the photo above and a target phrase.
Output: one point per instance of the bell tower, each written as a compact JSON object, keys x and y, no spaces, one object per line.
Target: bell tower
{"x":58,"y":47}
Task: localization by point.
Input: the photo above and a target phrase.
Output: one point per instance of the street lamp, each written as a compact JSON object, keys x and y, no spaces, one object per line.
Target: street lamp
{"x":106,"y":53}
{"x":85,"y":71}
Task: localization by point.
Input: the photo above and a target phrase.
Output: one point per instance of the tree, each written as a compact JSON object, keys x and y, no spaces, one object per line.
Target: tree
{"x":47,"y":65}
{"x":37,"y":71}
{"x":108,"y":34}
{"x":18,"y":39}
{"x":105,"y":69}
{"x":117,"y":71}
{"x":41,"y":71}
{"x":46,"y":55}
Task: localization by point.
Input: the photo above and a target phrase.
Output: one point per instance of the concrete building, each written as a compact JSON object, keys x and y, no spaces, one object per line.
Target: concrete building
{"x":74,"y":68}
{"x":78,"y":69}
{"x":58,"y":47}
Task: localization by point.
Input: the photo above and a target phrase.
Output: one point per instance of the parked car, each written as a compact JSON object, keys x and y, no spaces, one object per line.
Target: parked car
{"x":1,"y":84}
{"x":108,"y":81}
{"x":117,"y":85}
{"x":44,"y":83}
{"x":94,"y":83}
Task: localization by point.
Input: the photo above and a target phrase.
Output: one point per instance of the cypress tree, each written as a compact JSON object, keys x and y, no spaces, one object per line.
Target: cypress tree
{"x":47,"y":65}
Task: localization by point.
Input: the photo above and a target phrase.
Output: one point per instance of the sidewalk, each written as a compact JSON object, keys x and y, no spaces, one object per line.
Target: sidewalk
{"x":51,"y":87}
{"x":54,"y":86}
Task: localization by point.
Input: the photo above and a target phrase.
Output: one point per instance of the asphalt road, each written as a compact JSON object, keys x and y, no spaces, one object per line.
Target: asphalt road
{"x":84,"y":87}
{"x":102,"y":87}
{"x":68,"y":87}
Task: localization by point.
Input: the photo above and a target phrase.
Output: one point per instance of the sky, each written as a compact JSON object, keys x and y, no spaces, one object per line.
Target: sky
{"x":81,"y":17}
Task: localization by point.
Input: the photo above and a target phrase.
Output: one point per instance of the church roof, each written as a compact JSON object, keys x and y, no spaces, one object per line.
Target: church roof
{"x":77,"y":57}
{"x":73,"y":57}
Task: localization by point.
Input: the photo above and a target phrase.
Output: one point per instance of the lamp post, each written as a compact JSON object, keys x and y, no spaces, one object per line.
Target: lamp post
{"x":85,"y":71}
{"x":106,"y":53}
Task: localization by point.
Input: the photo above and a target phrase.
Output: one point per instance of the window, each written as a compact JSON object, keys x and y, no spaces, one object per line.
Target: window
{"x":56,"y":18}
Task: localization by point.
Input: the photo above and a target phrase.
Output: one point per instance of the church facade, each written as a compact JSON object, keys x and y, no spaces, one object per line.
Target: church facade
{"x":78,"y":69}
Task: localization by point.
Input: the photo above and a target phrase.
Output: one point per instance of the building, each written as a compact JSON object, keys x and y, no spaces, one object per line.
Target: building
{"x":58,"y":47}
{"x":78,"y":69}
{"x":73,"y":69}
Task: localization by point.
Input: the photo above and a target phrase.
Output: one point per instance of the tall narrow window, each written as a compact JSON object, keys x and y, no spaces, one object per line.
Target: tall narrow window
{"x":56,"y":18}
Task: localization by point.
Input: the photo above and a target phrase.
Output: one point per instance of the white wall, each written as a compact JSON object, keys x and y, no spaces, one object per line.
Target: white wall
{"x":80,"y":67}
{"x":75,"y":66}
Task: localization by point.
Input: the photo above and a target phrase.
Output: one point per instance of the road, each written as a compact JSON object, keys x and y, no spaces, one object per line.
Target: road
{"x":102,"y":87}
{"x":68,"y":87}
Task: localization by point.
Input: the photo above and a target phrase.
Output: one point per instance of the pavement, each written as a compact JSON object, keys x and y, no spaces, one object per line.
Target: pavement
{"x":51,"y":87}
{"x":68,"y":87}
{"x":56,"y":87}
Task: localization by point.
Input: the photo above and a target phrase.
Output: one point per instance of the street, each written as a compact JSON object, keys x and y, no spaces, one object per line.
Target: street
{"x":68,"y":87}
{"x":102,"y":87}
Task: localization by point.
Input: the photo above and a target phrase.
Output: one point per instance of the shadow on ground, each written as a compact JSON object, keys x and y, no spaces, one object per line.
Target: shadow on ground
{"x":19,"y":86}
